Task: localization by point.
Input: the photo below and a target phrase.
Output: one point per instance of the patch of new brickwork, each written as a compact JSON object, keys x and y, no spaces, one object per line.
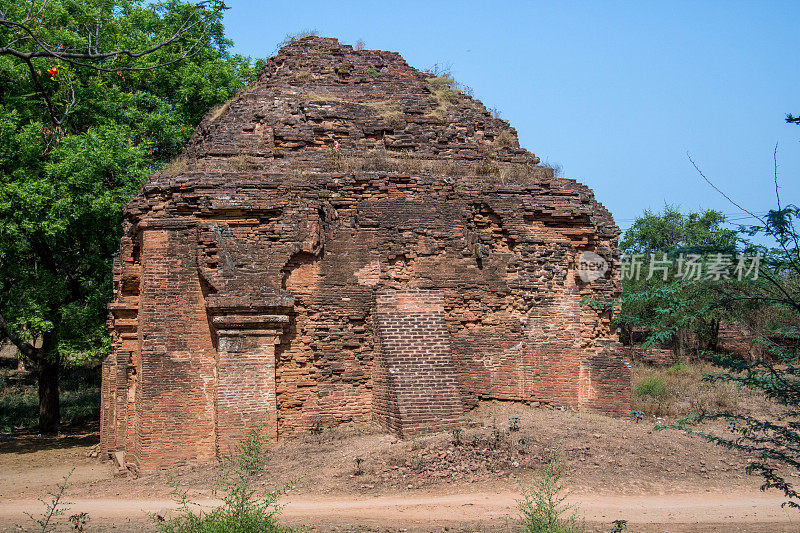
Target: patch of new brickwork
{"x":418,"y":388}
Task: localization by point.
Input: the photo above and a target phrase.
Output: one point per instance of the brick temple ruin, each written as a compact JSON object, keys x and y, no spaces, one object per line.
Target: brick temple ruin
{"x":351,"y":239}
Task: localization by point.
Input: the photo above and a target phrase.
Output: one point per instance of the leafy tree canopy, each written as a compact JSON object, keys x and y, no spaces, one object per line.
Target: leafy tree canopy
{"x":657,"y":296}
{"x":63,"y":185}
{"x":671,"y":231}
{"x":771,"y":304}
{"x":772,"y":441}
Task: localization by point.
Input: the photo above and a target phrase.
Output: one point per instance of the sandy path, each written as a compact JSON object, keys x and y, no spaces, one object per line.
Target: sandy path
{"x":618,"y":470}
{"x":434,"y":511}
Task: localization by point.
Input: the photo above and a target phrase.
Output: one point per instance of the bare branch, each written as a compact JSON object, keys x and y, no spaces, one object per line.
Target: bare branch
{"x":794,"y":264}
{"x":722,"y":193}
{"x":775,"y":174}
{"x":75,"y":58}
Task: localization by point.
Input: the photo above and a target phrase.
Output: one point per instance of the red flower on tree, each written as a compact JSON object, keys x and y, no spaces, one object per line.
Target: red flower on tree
{"x":53,"y":72}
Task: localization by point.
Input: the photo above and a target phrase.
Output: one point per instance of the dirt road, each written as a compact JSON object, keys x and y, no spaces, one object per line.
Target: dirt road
{"x":467,"y":511}
{"x":656,"y":480}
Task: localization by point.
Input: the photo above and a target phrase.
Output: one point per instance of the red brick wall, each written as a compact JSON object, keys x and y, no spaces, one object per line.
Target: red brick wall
{"x":108,"y":441}
{"x":416,"y":385}
{"x":245,"y":388}
{"x":176,"y":376}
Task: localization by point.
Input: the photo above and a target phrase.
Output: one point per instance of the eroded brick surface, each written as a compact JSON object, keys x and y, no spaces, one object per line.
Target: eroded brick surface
{"x":259,"y":272}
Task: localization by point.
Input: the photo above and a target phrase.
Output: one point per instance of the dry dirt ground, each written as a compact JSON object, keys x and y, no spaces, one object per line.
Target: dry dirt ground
{"x":619,"y":469}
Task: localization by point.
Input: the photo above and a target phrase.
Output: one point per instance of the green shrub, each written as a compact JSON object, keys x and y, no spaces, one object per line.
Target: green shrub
{"x":18,"y":410}
{"x":543,"y":508}
{"x":679,"y":367}
{"x":687,"y":391}
{"x":653,"y":387}
{"x":244,"y":509}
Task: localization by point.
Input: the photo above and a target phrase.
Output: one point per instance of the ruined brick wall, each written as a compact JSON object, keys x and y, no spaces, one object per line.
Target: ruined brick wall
{"x":260,"y":275}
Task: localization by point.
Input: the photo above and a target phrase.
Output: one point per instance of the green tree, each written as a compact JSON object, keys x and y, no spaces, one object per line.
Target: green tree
{"x":773,"y":442}
{"x":658,"y":296}
{"x":78,"y":136}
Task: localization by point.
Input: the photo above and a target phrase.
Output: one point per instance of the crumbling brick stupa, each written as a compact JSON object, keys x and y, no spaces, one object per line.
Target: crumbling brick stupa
{"x":351,"y":239}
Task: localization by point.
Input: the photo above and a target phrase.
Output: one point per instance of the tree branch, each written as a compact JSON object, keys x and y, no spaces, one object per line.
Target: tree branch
{"x":77,"y":59}
{"x":92,"y":58}
{"x":27,"y":349}
{"x":50,"y":109}
{"x":794,"y":264}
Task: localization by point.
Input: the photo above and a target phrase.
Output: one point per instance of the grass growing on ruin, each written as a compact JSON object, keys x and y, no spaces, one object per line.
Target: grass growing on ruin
{"x":245,"y":508}
{"x":291,"y":38}
{"x":320,"y":98}
{"x":445,"y":92}
{"x":389,"y":111}
{"x":220,"y":110}
{"x":177,"y":166}
{"x":381,"y":160}
{"x":241,"y":163}
{"x":505,"y":139}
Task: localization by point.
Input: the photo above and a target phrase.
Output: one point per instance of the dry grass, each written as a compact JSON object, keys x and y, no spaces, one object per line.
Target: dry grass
{"x":310,"y":96}
{"x":393,"y":118}
{"x":678,"y":390}
{"x":290,"y":38}
{"x":505,"y":139}
{"x":389,"y":111}
{"x":445,"y":92}
{"x":557,"y":168}
{"x":241,"y":163}
{"x":220,"y":110}
{"x":381,"y":160}
{"x":302,"y":76}
{"x":174,"y":167}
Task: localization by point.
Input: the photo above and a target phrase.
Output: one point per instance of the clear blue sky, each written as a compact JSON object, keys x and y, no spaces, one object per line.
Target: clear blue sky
{"x":616,"y":93}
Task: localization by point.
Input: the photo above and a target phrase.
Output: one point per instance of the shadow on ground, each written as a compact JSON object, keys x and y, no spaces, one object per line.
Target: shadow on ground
{"x":28,"y":441}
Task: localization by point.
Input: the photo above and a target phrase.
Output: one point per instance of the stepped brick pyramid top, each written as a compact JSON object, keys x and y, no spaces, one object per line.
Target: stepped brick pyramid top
{"x":348,"y":239}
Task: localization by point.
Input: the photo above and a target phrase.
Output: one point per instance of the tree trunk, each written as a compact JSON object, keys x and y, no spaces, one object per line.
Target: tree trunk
{"x":626,"y":334}
{"x":48,"y":372}
{"x":681,"y":344}
{"x":713,"y":340}
{"x":49,"y":403}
